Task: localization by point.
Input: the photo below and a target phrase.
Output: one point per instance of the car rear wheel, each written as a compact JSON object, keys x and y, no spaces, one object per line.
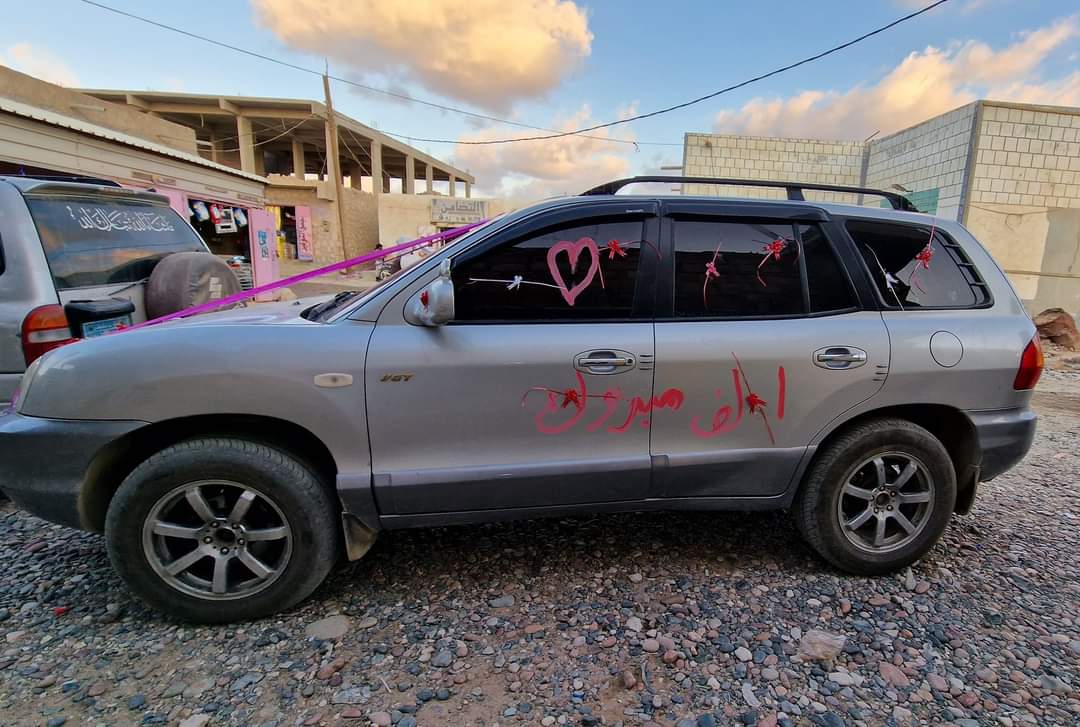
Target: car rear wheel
{"x":878,"y":497}
{"x":217,"y":530}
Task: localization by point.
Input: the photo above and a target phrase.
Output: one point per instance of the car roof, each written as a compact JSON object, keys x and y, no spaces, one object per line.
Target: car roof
{"x":832,"y":208}
{"x":30,"y":185}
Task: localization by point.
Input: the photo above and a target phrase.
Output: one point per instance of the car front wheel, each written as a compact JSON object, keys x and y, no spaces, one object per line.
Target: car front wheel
{"x":221,"y":529}
{"x":878,"y":497}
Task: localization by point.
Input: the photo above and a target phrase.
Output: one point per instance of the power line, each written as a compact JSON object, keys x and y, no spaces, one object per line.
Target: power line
{"x":356,"y":84}
{"x":699,"y":99}
{"x":553,"y":134}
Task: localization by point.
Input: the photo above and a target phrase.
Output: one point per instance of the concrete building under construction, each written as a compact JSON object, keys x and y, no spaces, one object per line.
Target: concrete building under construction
{"x":285,"y":141}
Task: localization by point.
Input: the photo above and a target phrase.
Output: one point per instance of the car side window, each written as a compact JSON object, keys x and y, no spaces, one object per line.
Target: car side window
{"x":914,"y":270}
{"x":581,"y":272}
{"x":828,"y":284}
{"x":736,"y":269}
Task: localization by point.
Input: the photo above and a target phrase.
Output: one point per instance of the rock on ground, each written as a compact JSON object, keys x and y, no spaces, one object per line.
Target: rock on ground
{"x":1057,"y":325}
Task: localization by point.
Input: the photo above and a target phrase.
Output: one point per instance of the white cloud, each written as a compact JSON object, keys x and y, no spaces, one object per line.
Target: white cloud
{"x":487,"y":52}
{"x":39,"y":63}
{"x":538,"y":169}
{"x":924,"y":84}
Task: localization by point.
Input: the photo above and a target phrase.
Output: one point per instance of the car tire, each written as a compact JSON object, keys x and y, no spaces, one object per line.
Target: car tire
{"x":887,"y":470}
{"x":203,"y":502}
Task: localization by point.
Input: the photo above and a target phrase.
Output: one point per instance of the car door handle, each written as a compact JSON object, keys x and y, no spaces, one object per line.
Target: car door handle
{"x":839,"y":357}
{"x":604,"y":361}
{"x":617,"y":361}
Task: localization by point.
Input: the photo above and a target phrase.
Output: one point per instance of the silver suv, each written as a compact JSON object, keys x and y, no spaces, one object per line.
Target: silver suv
{"x":63,"y":241}
{"x":863,"y":367}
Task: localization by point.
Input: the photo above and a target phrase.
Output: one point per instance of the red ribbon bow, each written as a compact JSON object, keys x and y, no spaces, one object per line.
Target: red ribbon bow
{"x":710,"y":270}
{"x":925,"y":255}
{"x":615,"y":249}
{"x":774,"y":248}
{"x":570,"y":396}
{"x":755,"y":402}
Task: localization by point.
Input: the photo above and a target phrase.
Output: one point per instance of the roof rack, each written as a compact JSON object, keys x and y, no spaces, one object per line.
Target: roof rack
{"x":794,"y":189}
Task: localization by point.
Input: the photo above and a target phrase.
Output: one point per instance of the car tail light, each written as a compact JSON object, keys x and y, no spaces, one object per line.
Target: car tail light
{"x":1031,"y":366}
{"x":44,"y":329}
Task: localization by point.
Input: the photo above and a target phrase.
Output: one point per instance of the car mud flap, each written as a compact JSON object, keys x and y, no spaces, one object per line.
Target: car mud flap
{"x":967,"y":487}
{"x":358,"y":537}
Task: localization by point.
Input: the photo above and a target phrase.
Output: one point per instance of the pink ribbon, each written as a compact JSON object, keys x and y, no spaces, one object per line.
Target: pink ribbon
{"x":334,"y":267}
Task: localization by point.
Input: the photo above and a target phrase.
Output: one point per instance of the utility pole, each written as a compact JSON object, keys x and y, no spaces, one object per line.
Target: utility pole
{"x":333,"y":160}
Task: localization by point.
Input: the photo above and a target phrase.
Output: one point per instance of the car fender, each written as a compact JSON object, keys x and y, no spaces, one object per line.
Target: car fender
{"x":168,"y":372}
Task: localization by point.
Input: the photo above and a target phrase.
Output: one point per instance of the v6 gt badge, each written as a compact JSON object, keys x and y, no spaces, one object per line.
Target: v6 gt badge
{"x":395,"y":378}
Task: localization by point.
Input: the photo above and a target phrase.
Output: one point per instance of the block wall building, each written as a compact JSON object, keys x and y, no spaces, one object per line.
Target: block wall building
{"x":1009,"y":172}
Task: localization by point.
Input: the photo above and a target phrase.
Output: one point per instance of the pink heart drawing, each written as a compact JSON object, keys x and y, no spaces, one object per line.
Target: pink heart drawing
{"x":573,"y":251}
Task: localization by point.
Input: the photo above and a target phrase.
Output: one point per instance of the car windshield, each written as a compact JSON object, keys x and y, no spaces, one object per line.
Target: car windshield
{"x":94,"y":240}
{"x":326,"y":310}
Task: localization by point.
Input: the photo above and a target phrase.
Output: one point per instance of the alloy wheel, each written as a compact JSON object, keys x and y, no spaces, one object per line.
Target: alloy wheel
{"x":217,"y":540}
{"x":885,"y":502}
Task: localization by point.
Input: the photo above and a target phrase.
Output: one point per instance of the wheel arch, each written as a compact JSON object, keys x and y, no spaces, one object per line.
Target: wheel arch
{"x":120,"y":457}
{"x":949,"y":425}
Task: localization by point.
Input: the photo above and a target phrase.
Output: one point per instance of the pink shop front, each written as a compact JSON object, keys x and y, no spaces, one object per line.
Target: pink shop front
{"x":235,"y":229}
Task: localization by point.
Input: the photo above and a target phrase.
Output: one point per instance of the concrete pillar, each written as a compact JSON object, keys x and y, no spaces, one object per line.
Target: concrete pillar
{"x":356,"y":175}
{"x":215,"y":148}
{"x":468,"y":189}
{"x":376,"y":167}
{"x":246,"y":142}
{"x":298,"y":162}
{"x":429,"y":177}
{"x":453,"y":186}
{"x":409,"y":185}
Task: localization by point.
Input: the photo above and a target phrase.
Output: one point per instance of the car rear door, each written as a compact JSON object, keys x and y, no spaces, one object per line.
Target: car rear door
{"x":104,"y":243}
{"x":525,"y":400}
{"x":761,"y":333}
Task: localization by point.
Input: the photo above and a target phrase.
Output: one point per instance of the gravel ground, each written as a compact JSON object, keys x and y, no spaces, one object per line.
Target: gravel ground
{"x":674,"y":619}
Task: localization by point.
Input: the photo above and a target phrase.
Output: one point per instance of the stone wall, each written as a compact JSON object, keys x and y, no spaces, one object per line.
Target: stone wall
{"x":750,"y":157}
{"x":361,"y":221}
{"x":929,"y":158}
{"x":124,"y":119}
{"x":361,"y":215}
{"x":1025,"y":199}
{"x":1027,"y":157}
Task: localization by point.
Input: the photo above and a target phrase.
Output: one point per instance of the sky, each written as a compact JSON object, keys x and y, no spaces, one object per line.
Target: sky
{"x":564,"y":64}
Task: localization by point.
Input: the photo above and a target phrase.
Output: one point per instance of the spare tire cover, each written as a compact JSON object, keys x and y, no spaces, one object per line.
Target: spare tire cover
{"x":184,"y":279}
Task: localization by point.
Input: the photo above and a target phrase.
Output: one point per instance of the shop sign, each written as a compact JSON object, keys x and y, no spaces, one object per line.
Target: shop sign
{"x":456,"y":211}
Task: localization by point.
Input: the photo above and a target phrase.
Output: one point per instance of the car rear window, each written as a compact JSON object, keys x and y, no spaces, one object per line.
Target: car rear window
{"x":95,"y":241}
{"x":917,"y":266}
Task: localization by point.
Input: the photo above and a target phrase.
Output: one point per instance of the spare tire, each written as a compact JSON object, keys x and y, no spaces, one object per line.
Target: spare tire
{"x":185,"y":279}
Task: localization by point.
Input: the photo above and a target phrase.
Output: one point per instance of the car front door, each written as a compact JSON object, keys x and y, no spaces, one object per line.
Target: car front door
{"x":533,"y":396}
{"x":760,"y":332}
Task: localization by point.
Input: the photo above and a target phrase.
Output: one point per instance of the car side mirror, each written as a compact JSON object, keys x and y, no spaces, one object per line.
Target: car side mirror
{"x":433,"y":305}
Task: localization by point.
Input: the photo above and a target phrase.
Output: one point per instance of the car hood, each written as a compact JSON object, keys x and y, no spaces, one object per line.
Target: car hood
{"x":285,"y":312}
